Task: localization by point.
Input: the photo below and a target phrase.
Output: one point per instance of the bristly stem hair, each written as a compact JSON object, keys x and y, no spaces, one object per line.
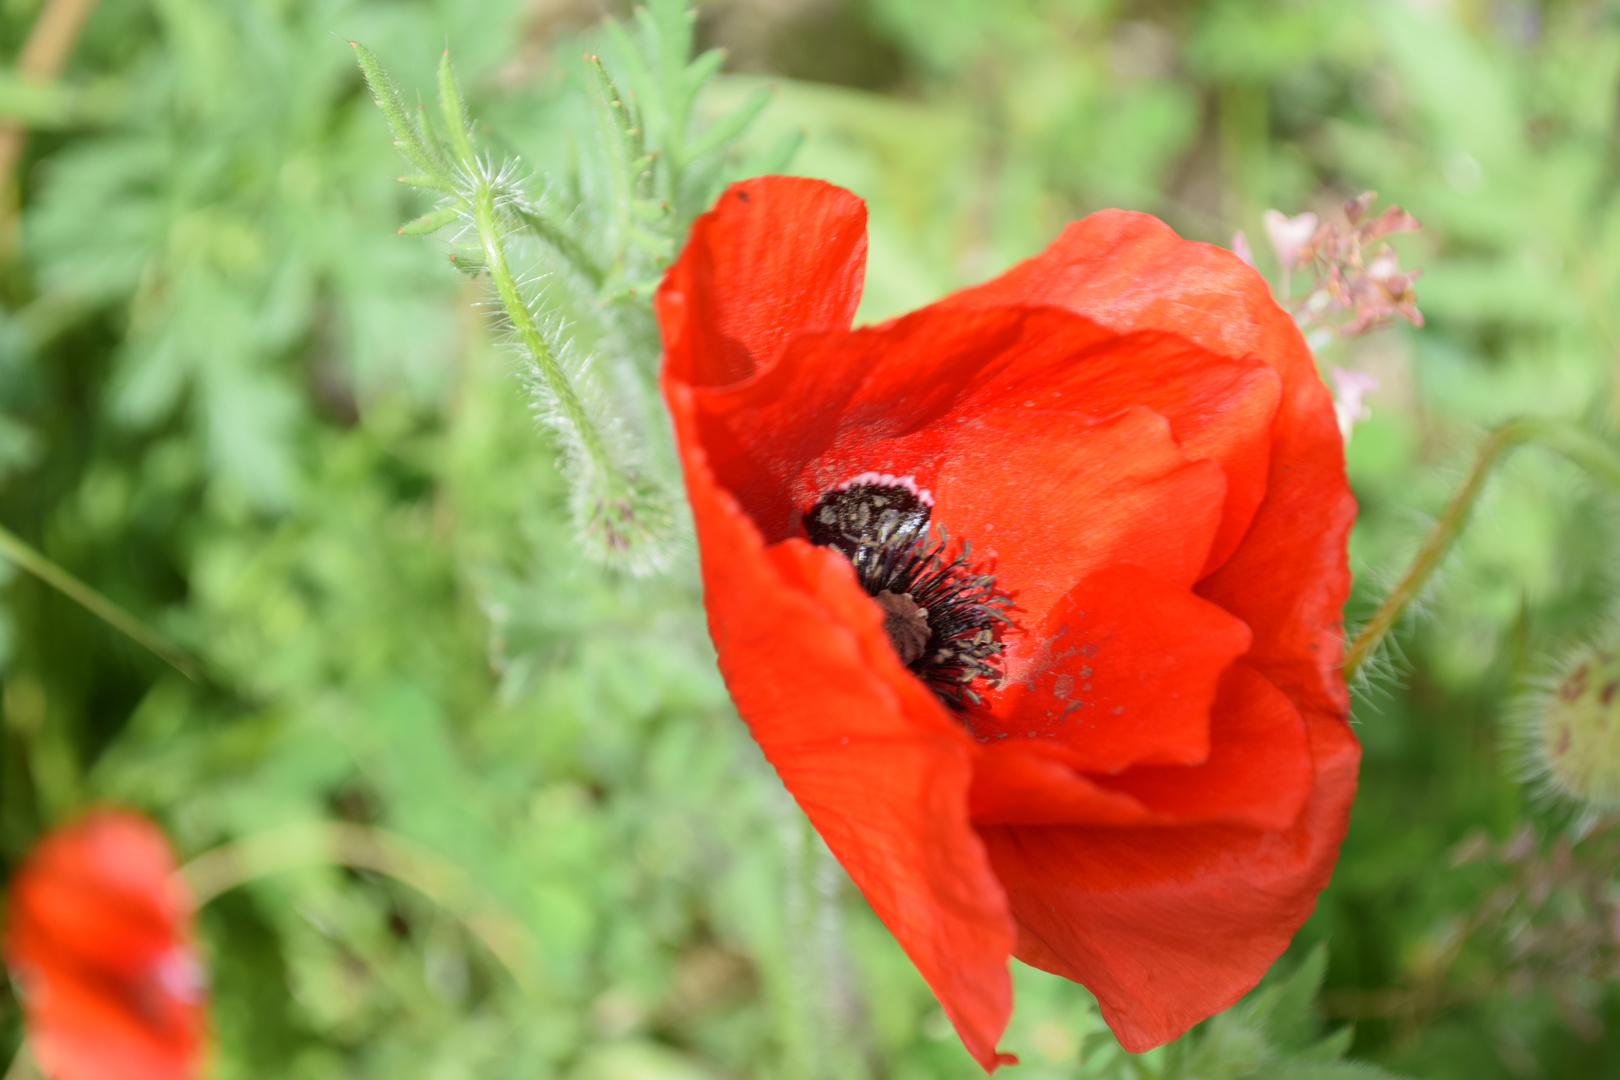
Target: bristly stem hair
{"x":1582,"y":447}
{"x":627,"y":215}
{"x":620,"y":513}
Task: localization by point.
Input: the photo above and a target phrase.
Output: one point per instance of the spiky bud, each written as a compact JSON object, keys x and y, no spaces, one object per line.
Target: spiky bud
{"x":1576,"y":736}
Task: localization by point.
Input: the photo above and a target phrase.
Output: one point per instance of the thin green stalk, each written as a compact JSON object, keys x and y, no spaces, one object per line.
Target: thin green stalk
{"x":13,"y":548}
{"x":327,"y":843}
{"x":1574,"y":443}
{"x":528,"y":332}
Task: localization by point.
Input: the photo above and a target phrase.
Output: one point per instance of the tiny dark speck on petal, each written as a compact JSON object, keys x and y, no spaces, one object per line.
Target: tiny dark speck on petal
{"x":743,"y":195}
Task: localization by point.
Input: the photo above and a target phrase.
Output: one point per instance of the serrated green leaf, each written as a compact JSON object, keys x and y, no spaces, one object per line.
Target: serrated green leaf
{"x":468,"y":262}
{"x":777,"y":155}
{"x":429,"y":183}
{"x":668,"y":26}
{"x":432,"y":222}
{"x":1289,"y":1013}
{"x":621,"y":119}
{"x":558,"y":237}
{"x":642,"y":80}
{"x":728,"y":127}
{"x":617,"y":135}
{"x":698,"y":72}
{"x":408,"y":134}
{"x":456,"y":121}
{"x":653,"y":243}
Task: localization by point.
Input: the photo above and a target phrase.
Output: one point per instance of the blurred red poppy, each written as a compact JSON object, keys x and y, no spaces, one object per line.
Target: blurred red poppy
{"x":1032,"y":597}
{"x":98,"y":943}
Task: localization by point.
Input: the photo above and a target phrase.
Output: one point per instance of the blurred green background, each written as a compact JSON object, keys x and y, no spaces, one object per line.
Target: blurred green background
{"x":236,"y":402}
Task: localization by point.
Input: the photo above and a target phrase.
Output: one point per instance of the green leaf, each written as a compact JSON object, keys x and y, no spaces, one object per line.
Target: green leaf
{"x":726,"y":129}
{"x":643,"y":81}
{"x":433,"y":222}
{"x":454,"y":108}
{"x":408,"y":134}
{"x":777,"y":155}
{"x":1289,"y":1012}
{"x":430,"y":183}
{"x":667,"y":26}
{"x":558,"y":237}
{"x":698,"y":72}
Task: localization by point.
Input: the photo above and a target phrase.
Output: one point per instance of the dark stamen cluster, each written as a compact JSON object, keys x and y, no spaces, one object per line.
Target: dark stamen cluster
{"x":940,"y":616}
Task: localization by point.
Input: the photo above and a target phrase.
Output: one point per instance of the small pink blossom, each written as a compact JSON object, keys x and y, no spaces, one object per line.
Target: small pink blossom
{"x":1288,"y":235}
{"x":1349,"y":389}
{"x":1353,"y":273}
{"x":1241,"y":248}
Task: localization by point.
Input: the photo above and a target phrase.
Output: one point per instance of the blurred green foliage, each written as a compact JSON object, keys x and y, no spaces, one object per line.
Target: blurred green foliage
{"x":235,"y":401}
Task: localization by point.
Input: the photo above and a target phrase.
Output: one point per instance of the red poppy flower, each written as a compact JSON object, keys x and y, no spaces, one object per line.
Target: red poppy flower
{"x":1109,"y":738}
{"x":97,"y":941}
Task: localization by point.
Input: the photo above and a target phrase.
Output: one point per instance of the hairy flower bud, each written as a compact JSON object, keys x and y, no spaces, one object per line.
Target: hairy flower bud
{"x":1576,"y":732}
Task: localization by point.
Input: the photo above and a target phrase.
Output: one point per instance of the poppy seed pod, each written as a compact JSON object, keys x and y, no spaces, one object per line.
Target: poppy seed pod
{"x":1577,"y":732}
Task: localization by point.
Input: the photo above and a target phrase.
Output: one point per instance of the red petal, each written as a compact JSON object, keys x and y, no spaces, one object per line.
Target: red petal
{"x":1028,"y":782}
{"x":1259,"y":767}
{"x":1044,"y":494}
{"x":98,"y":935}
{"x":1167,"y":926}
{"x":1049,"y":497}
{"x":1122,"y":672}
{"x":1219,"y":410}
{"x":866,"y":749}
{"x":1288,"y":578}
{"x":1258,"y":773}
{"x":776,"y":257}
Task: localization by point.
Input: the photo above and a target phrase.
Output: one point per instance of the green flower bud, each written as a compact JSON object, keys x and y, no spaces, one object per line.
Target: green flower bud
{"x":1577,"y":737}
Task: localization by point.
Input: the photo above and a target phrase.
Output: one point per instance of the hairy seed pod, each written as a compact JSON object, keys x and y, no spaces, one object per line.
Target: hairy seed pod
{"x":1577,"y":736}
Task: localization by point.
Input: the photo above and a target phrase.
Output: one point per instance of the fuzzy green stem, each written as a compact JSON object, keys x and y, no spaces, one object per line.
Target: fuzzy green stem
{"x":327,"y":843}
{"x":529,"y":333}
{"x":25,"y":557}
{"x":1579,"y":446}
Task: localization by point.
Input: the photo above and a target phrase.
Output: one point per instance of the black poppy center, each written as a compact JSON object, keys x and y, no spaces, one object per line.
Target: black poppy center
{"x":941,"y":618}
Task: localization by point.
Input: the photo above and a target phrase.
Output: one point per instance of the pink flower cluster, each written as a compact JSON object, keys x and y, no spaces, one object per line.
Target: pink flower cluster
{"x":1354,"y":271}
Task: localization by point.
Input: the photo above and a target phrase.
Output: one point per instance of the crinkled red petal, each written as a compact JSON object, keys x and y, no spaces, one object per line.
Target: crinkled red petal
{"x":1168,"y":925}
{"x":1287,"y":577}
{"x":864,"y":747}
{"x":1045,"y":494}
{"x":1049,"y":498}
{"x":1122,"y":671}
{"x":779,"y":256}
{"x":1259,"y":770}
{"x":1258,"y":774}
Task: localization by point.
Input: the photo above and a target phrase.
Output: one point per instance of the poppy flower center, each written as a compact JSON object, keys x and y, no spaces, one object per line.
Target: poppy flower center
{"x":940,"y":617}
